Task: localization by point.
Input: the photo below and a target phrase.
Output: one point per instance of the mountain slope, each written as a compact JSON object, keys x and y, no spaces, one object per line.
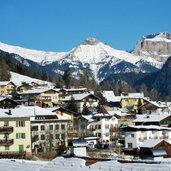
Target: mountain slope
{"x":160,"y":80}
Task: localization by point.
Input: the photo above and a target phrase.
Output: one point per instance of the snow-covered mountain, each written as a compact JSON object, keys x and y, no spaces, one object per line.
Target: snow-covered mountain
{"x":156,"y":46}
{"x":91,"y":55}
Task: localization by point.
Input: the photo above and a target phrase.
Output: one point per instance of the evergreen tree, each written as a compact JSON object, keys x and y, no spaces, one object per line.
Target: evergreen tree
{"x":72,"y":105}
{"x":4,"y":71}
{"x":85,"y":110}
{"x":102,"y":99}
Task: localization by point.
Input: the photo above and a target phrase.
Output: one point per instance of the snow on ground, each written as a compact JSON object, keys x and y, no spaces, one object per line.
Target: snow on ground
{"x":69,"y":164}
{"x":18,"y":79}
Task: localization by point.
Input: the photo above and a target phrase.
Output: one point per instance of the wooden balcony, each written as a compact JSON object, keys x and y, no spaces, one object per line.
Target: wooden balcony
{"x":4,"y":142}
{"x":6,"y":129}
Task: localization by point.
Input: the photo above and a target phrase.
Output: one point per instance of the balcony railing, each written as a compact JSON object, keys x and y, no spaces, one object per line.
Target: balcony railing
{"x":4,"y":142}
{"x":6,"y":129}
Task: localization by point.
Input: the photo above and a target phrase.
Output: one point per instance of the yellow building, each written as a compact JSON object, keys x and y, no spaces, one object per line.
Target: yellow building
{"x":6,"y":87}
{"x":132,"y":101}
{"x":15,"y":134}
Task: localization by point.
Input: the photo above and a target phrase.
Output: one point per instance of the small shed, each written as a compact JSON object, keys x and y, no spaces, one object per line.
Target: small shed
{"x":154,"y":148}
{"x":77,"y":147}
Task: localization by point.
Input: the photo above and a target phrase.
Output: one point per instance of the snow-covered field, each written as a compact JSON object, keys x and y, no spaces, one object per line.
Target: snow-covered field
{"x":18,"y":79}
{"x":73,"y":164}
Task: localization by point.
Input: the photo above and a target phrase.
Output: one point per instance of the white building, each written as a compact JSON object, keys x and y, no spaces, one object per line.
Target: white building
{"x":99,"y":125}
{"x":136,"y":135}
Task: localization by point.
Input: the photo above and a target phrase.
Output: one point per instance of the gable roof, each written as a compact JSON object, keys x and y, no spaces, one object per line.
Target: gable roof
{"x":152,"y":143}
{"x":4,"y":83}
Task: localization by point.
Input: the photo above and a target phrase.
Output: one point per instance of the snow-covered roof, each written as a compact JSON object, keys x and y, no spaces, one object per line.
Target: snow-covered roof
{"x":74,"y":89}
{"x":38,"y":90}
{"x":150,"y":143}
{"x":132,"y":95}
{"x":157,"y":104}
{"x":147,"y":127}
{"x":109,"y":95}
{"x":151,"y":118}
{"x":3,"y":83}
{"x":77,"y":97}
{"x":24,"y":111}
{"x":2,"y":98}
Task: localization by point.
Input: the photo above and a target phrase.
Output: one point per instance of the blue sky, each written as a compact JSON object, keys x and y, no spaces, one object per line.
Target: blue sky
{"x":60,"y":25}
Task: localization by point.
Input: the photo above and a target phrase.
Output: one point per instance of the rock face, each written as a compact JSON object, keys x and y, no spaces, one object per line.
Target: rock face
{"x":157,"y":46}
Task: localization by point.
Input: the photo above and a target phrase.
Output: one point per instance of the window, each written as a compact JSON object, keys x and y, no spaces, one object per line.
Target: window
{"x":42,"y":137}
{"x":57,"y":136}
{"x":62,"y":126}
{"x":51,"y":127}
{"x":7,"y":147}
{"x":107,"y":134}
{"x":35,"y":128}
{"x":129,"y":145}
{"x":56,"y":127}
{"x":6,"y":123}
{"x":51,"y":137}
{"x":20,"y":135}
{"x":107,"y":126}
{"x":63,"y":136}
{"x":20,"y":123}
{"x":42,"y":127}
{"x":132,"y":135}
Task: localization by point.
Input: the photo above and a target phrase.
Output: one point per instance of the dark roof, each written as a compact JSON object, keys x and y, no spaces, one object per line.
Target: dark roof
{"x":77,"y":143}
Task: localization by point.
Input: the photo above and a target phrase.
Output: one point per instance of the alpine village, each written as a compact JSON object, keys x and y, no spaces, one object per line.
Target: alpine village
{"x":119,"y":110}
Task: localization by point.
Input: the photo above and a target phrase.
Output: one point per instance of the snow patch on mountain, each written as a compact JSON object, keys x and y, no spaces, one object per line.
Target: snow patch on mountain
{"x":41,"y":57}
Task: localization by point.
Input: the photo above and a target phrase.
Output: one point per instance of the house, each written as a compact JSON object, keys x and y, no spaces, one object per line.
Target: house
{"x":132,"y":101}
{"x":6,"y":87}
{"x":42,"y":97}
{"x":7,"y":103}
{"x":136,"y":135}
{"x":161,"y":119}
{"x":152,"y":107}
{"x":90,"y":100}
{"x":15,"y":133}
{"x":155,"y":148}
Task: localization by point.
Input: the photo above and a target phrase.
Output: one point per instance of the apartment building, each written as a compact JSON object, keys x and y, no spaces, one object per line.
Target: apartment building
{"x":15,"y":133}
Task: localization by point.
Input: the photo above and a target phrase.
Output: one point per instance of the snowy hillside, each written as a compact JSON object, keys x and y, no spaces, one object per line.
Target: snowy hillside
{"x":18,"y":79}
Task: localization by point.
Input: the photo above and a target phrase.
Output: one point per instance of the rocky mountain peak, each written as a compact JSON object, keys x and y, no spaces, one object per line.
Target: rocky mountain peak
{"x":90,"y":41}
{"x":157,"y":46}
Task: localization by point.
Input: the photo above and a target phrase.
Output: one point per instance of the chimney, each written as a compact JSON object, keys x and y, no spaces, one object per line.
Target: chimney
{"x":9,"y":113}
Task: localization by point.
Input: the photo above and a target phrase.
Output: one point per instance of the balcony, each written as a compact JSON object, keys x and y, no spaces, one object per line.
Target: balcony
{"x":6,"y":142}
{"x":6,"y":129}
